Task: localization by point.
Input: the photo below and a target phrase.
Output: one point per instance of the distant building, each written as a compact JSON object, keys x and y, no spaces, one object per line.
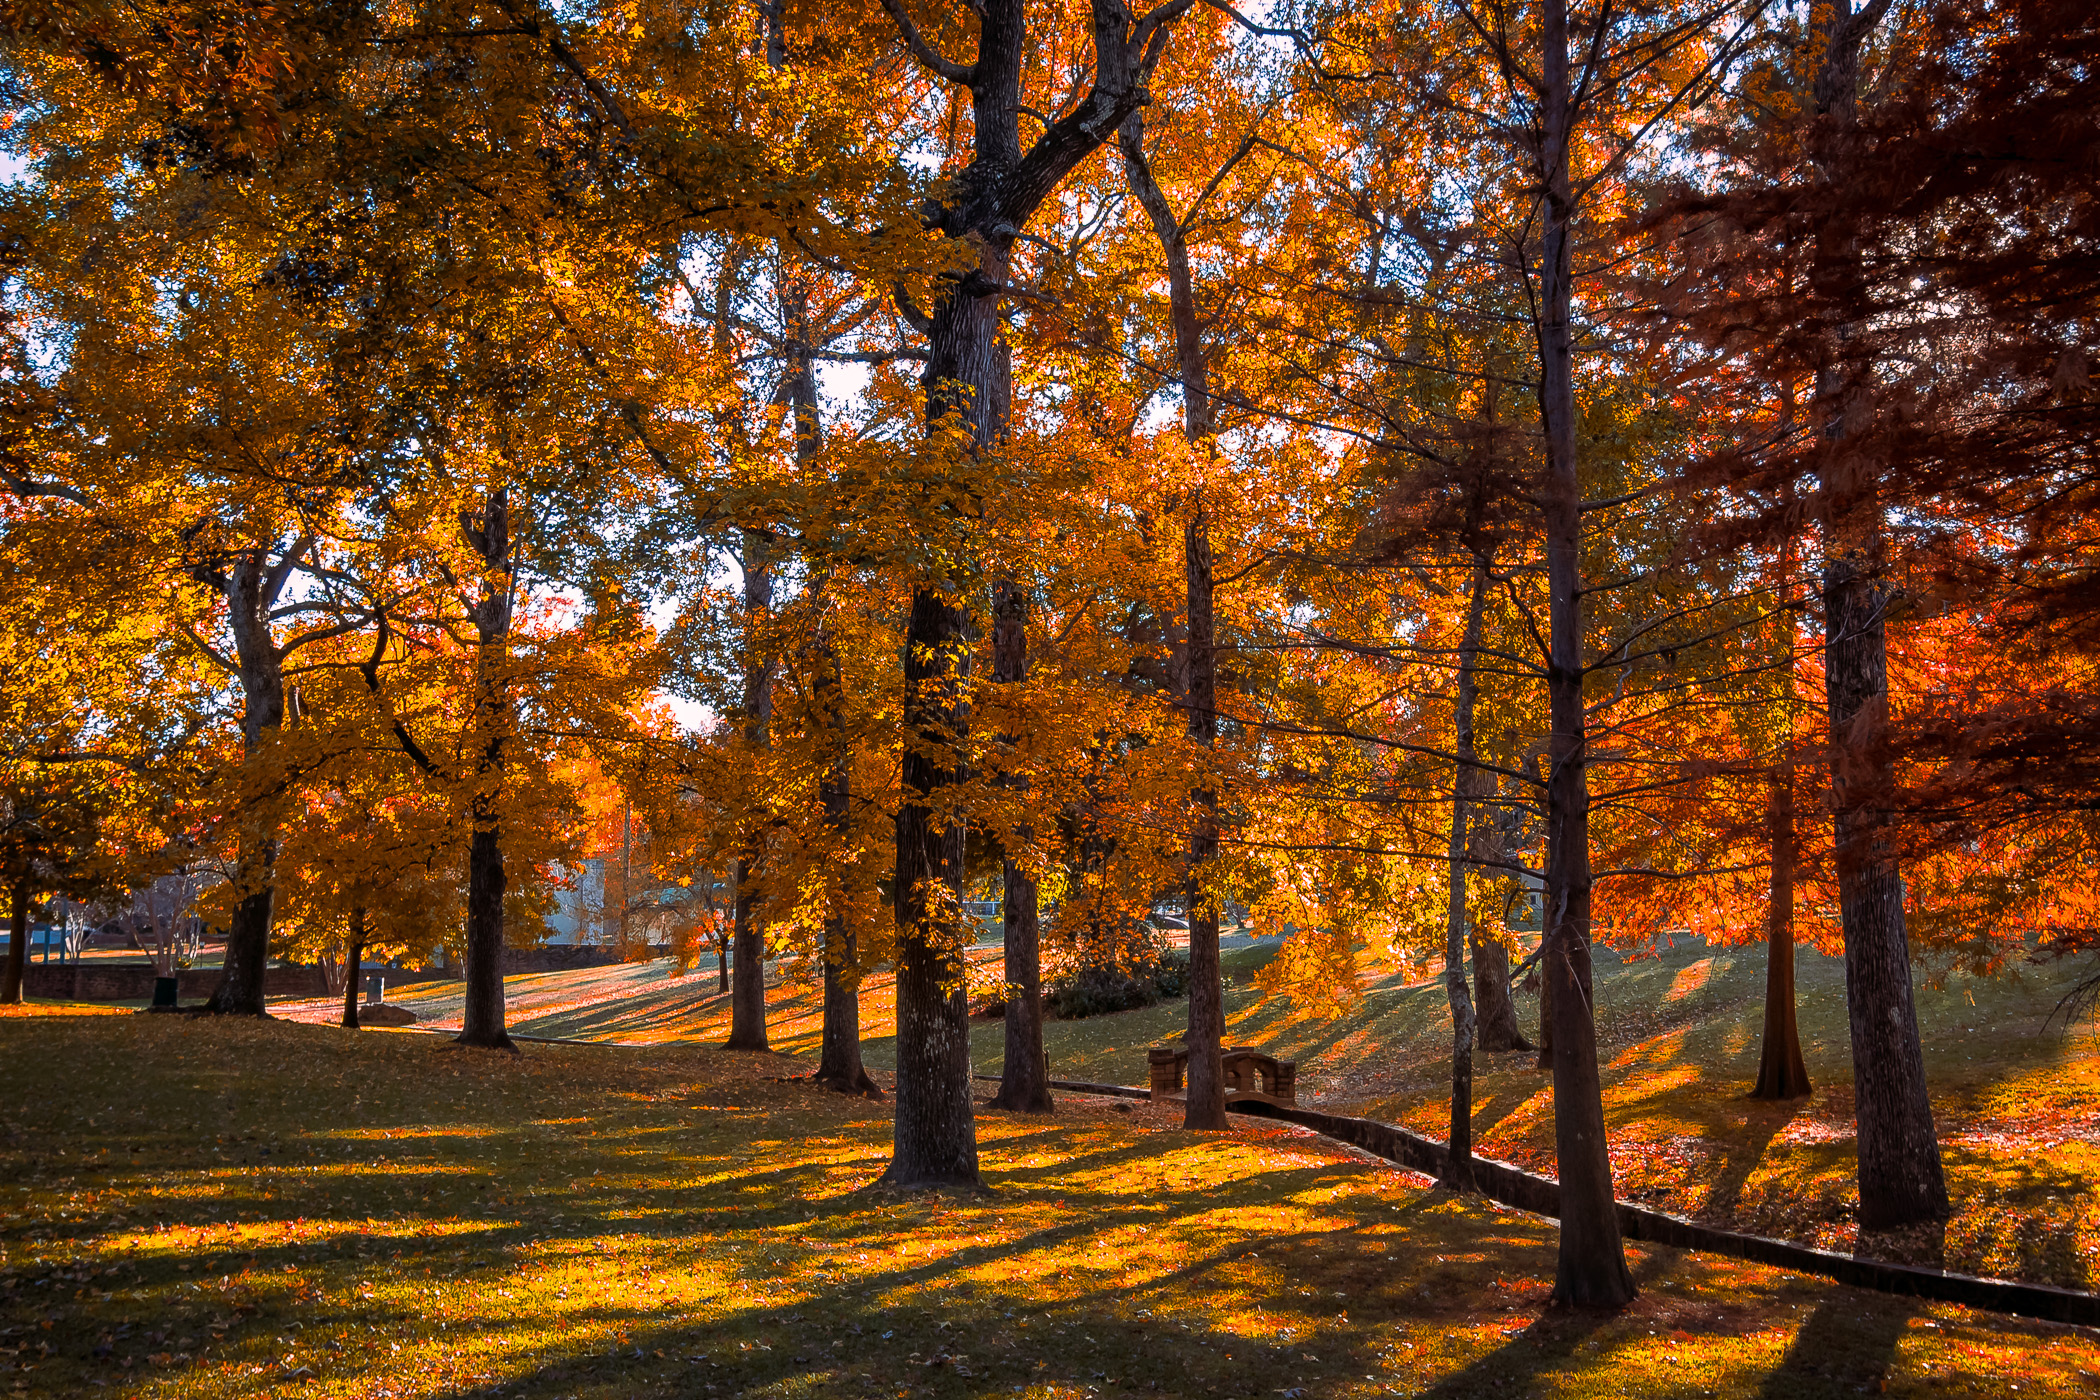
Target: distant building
{"x":576,"y":918}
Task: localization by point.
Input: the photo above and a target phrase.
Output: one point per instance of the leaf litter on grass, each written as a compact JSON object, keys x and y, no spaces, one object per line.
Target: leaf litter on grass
{"x":2017,"y":1101}
{"x":216,"y":1208}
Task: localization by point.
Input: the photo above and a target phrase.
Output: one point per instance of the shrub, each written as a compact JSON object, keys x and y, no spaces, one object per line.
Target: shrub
{"x":1100,"y":991}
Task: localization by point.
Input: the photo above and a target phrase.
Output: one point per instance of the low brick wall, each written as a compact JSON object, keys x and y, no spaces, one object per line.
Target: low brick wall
{"x":107,"y":981}
{"x":1541,"y":1195}
{"x":94,"y":981}
{"x":559,"y":958}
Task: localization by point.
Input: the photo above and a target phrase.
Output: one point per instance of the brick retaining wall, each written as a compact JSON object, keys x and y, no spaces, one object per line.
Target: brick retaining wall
{"x":1541,"y":1195}
{"x":113,"y":981}
{"x":98,"y":981}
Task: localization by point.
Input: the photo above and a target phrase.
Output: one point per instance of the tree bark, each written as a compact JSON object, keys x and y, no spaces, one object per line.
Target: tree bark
{"x":17,"y":943}
{"x":251,"y":588}
{"x":1024,"y":1077}
{"x":968,"y":385}
{"x":747,"y":1003}
{"x":1458,"y":1165}
{"x":1495,"y":1009}
{"x":353,"y":978}
{"x":1545,"y":1001}
{"x":1206,"y":1037}
{"x":839,"y":1064}
{"x":1592,"y":1270}
{"x":1024,"y":1074}
{"x":1205,"y":1108}
{"x":1900,"y":1176}
{"x":936,"y":1130}
{"x":747,"y":978}
{"x":1781,"y":1072}
{"x":483,"y":1022}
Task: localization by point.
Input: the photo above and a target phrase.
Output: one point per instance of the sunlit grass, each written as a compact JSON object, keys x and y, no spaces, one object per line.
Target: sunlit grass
{"x":204,"y":1208}
{"x":2017,"y":1100}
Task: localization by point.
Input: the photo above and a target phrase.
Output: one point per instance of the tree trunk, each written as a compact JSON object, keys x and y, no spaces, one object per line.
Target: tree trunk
{"x":1206,"y":1037}
{"x":1900,"y":1176}
{"x":1206,"y":1034}
{"x":1592,"y":1269}
{"x":968,"y":383}
{"x":1458,"y":1164}
{"x":1781,"y":1072}
{"x":353,"y":978}
{"x":1545,"y":1000}
{"x":838,"y":1061}
{"x":747,"y":978}
{"x":17,"y":943}
{"x":247,"y":957}
{"x":936,"y":1130}
{"x":1024,"y":1075}
{"x":482,"y":1024}
{"x":839,"y":1065}
{"x":1495,"y":1009}
{"x":251,"y":588}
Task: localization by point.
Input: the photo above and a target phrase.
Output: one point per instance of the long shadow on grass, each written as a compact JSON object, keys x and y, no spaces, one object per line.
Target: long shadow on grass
{"x":1548,"y":1344}
{"x":641,"y":1012}
{"x":963,"y":1341}
{"x":399,"y":1248}
{"x":1848,"y":1345}
{"x":1504,"y":1103}
{"x":1743,"y":1151}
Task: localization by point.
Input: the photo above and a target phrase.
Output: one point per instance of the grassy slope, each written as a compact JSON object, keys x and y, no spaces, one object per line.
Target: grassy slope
{"x":198,"y":1208}
{"x":2017,"y":1101}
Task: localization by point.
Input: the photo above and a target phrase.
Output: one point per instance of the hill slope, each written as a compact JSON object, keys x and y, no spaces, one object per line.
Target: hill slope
{"x":2017,"y":1099}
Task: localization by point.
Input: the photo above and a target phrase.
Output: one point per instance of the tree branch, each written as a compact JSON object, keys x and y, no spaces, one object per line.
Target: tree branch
{"x":924,"y":52}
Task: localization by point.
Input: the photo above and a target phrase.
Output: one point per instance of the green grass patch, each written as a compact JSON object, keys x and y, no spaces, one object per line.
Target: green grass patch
{"x":2016,"y":1098}
{"x":205,"y":1208}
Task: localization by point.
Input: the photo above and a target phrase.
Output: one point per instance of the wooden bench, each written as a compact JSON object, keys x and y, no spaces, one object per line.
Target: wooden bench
{"x":1249,"y":1074}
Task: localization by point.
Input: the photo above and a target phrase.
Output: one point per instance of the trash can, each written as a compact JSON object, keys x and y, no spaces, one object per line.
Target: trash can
{"x":164,"y":991}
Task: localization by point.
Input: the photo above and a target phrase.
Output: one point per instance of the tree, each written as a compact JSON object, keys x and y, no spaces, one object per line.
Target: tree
{"x":161,"y":917}
{"x":1905,"y":290}
{"x":747,"y":989}
{"x":1782,"y":1072}
{"x":984,"y":207}
{"x":374,"y":865}
{"x":48,"y":836}
{"x":1458,"y":1163}
{"x":103,"y":736}
{"x":1900,"y":1179}
{"x":1199,"y":664}
{"x":1559,"y":110}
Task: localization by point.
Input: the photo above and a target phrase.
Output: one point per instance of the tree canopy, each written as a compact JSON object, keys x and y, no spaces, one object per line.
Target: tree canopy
{"x":1444,"y":481}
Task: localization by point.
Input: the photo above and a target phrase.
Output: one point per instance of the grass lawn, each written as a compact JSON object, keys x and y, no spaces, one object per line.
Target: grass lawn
{"x":2017,"y":1100}
{"x":208,"y":1208}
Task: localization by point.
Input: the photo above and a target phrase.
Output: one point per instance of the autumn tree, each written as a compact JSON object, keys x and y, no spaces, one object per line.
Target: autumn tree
{"x":984,"y":205}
